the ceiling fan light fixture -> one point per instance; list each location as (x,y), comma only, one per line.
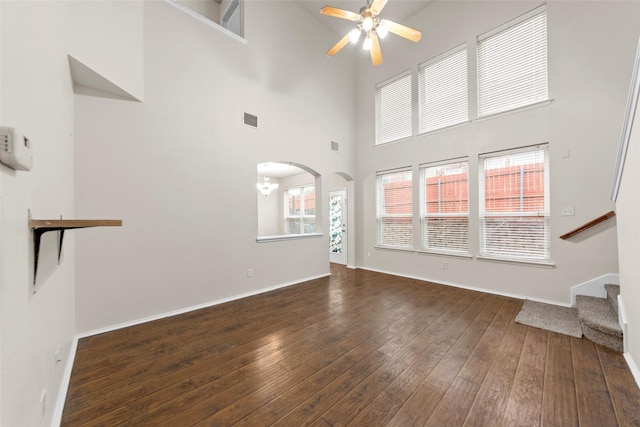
(375,28)
(382,31)
(367,23)
(354,35)
(367,43)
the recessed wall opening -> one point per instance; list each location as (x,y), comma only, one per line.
(287,195)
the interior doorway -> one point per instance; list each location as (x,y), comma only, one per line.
(338,220)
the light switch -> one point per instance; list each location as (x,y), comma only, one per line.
(568,211)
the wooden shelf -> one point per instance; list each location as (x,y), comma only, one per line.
(68,224)
(41,226)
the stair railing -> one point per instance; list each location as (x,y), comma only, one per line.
(588,225)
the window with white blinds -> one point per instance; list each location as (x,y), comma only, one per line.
(393,109)
(444,207)
(514,205)
(512,64)
(443,97)
(300,210)
(395,209)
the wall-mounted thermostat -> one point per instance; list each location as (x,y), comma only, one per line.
(15,149)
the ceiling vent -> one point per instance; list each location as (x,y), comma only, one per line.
(250,120)
(334,146)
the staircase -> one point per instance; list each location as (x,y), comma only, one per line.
(599,318)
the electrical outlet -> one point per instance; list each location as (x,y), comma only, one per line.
(445,265)
(250,272)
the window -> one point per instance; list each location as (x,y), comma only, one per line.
(514,205)
(395,209)
(393,109)
(444,207)
(512,64)
(300,210)
(442,84)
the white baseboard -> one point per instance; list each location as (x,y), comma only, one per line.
(56,419)
(471,288)
(633,367)
(594,287)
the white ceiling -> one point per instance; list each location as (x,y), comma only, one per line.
(395,10)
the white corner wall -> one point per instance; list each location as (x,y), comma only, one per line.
(591,49)
(37,98)
(180,168)
(628,204)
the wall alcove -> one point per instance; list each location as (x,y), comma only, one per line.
(286,201)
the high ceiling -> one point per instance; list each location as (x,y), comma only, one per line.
(395,10)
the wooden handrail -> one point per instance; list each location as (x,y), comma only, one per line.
(588,225)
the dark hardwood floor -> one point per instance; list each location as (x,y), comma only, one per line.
(357,348)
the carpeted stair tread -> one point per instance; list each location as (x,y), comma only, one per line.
(612,296)
(597,314)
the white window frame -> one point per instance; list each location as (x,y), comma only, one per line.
(522,45)
(301,216)
(462,248)
(507,253)
(443,90)
(394,109)
(382,215)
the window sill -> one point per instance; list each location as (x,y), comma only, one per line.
(394,248)
(542,264)
(447,254)
(515,110)
(281,237)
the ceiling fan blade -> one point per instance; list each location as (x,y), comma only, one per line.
(402,30)
(340,13)
(336,48)
(377,6)
(376,52)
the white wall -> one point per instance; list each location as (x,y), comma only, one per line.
(628,205)
(180,168)
(591,47)
(37,98)
(269,211)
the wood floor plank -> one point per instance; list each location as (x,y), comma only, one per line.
(492,398)
(418,408)
(360,348)
(525,400)
(623,389)
(559,407)
(592,395)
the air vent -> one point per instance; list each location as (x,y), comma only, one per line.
(334,146)
(250,120)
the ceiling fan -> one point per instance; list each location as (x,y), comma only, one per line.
(368,21)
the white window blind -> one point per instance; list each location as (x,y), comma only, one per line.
(442,84)
(512,64)
(395,209)
(444,207)
(514,205)
(393,109)
(300,210)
